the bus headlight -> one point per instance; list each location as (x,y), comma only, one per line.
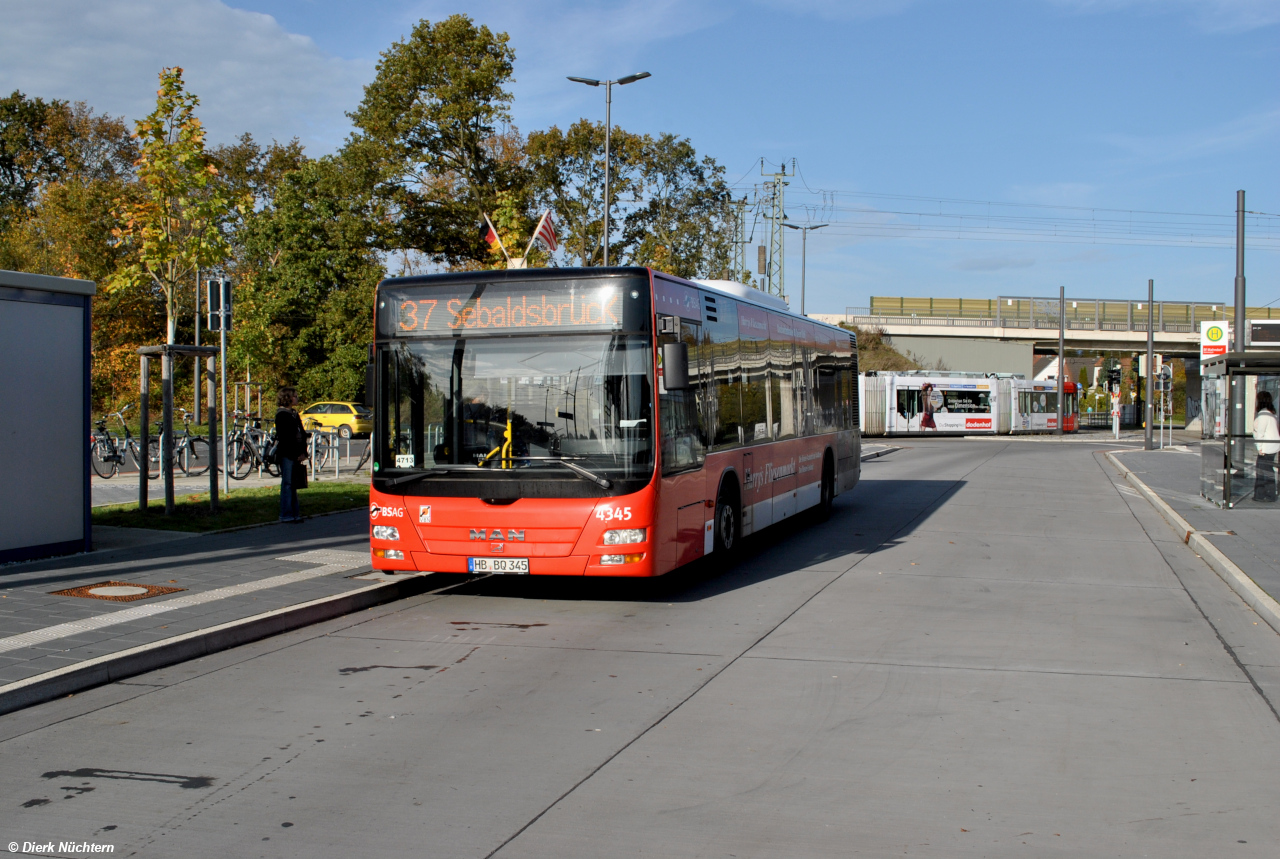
(385,532)
(623,536)
(389,554)
(610,560)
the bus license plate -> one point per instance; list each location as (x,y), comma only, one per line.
(501,566)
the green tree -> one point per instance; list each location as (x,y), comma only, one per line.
(427,121)
(29,153)
(173,215)
(568,176)
(1084,378)
(305,277)
(684,225)
(669,208)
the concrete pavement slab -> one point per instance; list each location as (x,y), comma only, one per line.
(879,760)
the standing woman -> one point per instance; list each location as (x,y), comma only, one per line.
(291,447)
(1266,435)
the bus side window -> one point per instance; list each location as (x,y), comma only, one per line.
(753,328)
(683,434)
(724,366)
(827,392)
(805,348)
(782,375)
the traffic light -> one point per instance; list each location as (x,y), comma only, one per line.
(1113,376)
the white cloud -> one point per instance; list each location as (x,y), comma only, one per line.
(556,38)
(250,74)
(1211,15)
(992,263)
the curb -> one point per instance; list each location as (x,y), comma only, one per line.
(193,645)
(1247,589)
(878,453)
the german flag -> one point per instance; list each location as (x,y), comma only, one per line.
(490,235)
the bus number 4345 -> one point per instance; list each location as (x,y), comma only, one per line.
(614,514)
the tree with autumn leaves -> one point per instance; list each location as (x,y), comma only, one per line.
(172,216)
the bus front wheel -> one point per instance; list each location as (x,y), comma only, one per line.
(728,528)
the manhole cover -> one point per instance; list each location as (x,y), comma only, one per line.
(117,591)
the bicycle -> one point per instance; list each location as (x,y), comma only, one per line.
(107,449)
(189,451)
(104,450)
(364,457)
(325,444)
(246,445)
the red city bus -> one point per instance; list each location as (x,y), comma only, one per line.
(602,422)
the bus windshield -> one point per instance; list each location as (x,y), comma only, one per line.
(495,404)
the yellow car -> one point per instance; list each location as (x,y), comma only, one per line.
(347,418)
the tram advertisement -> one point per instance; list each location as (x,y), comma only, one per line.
(944,407)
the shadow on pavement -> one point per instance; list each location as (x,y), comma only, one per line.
(876,515)
(323,532)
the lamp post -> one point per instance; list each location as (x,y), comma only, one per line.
(608,129)
(804,251)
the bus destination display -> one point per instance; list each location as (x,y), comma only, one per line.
(497,308)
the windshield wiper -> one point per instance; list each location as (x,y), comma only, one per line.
(405,478)
(604,482)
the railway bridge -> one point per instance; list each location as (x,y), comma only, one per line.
(1092,324)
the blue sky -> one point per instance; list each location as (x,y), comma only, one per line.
(1045,131)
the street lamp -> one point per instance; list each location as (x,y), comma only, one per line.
(608,127)
(804,242)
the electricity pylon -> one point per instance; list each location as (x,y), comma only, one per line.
(774,189)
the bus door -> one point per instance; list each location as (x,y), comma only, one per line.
(681,508)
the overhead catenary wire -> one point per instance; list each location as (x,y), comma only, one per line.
(968,220)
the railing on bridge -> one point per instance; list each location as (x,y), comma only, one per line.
(1090,314)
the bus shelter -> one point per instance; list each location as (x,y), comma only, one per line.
(45,385)
(1235,469)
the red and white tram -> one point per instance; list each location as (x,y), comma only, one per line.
(962,404)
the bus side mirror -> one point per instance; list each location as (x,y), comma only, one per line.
(675,366)
(370,379)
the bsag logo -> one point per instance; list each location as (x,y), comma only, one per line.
(386,512)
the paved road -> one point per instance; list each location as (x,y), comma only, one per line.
(989,650)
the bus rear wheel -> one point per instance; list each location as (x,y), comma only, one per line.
(828,488)
(727,527)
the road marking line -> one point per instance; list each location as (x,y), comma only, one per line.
(331,562)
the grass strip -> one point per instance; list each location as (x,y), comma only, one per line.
(244,506)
